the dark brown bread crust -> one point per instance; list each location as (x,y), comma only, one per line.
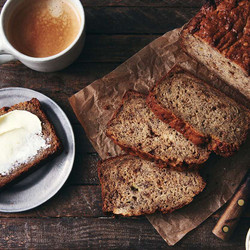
(147,156)
(107,209)
(136,152)
(43,156)
(167,116)
(225,26)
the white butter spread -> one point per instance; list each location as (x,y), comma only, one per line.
(20,139)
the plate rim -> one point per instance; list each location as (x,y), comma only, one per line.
(70,167)
(247,242)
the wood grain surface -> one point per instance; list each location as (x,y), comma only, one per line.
(116,29)
(137,3)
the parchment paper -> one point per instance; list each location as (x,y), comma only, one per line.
(94,107)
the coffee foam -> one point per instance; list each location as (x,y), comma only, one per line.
(55,7)
(43,28)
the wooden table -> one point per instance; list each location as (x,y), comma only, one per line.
(116,29)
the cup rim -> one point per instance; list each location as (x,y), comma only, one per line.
(18,54)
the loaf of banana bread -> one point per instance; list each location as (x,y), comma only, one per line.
(219,37)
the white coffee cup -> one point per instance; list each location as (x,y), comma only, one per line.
(43,64)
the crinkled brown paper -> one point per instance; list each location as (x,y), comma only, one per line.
(95,104)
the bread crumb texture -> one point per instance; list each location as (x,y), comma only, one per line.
(132,186)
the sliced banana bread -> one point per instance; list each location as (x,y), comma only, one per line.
(136,129)
(218,37)
(52,143)
(199,111)
(132,186)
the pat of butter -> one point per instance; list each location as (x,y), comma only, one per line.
(20,139)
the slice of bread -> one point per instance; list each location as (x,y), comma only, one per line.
(218,37)
(43,155)
(132,186)
(200,112)
(136,129)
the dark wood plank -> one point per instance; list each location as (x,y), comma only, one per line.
(85,169)
(136,20)
(113,48)
(83,145)
(155,3)
(78,233)
(106,232)
(70,201)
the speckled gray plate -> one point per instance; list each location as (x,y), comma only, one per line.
(41,185)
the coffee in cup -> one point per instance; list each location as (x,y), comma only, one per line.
(43,28)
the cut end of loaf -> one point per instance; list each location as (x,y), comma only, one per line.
(224,51)
(224,14)
(223,67)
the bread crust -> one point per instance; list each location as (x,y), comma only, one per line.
(166,115)
(180,165)
(23,170)
(232,38)
(106,209)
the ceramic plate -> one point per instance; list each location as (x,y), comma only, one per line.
(41,185)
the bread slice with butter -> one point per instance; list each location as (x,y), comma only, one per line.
(27,140)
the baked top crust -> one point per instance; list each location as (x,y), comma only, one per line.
(225,25)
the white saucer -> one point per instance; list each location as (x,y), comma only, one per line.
(44,183)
